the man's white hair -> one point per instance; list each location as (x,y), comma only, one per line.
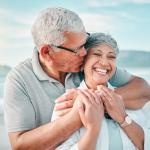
(51,23)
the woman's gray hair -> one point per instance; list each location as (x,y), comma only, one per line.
(97,39)
(51,23)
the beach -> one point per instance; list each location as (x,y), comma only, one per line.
(4,143)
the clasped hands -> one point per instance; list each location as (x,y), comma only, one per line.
(90,105)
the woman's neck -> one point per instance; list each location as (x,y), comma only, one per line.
(94,86)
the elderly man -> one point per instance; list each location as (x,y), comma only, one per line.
(33,86)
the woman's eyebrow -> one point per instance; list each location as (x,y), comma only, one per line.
(112,52)
(96,49)
(99,50)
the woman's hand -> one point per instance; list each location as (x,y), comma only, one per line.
(91,109)
(113,104)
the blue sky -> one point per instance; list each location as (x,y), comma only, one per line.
(126,20)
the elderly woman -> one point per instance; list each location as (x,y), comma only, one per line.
(107,125)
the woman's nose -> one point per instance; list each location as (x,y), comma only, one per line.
(103,61)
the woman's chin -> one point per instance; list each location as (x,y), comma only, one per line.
(104,82)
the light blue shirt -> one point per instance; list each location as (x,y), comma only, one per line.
(115,141)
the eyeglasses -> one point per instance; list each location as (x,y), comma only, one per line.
(76,50)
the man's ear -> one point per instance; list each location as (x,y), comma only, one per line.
(45,51)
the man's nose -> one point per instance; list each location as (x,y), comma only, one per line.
(82,52)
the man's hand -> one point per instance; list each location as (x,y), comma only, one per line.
(65,102)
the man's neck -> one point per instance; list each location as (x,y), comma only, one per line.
(53,73)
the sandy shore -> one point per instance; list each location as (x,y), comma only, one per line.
(4,143)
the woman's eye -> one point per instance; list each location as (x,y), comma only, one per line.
(97,54)
(112,57)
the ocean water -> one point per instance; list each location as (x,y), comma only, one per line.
(2,80)
(142,72)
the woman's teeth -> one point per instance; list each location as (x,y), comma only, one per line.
(101,71)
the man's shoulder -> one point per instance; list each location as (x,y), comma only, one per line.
(21,70)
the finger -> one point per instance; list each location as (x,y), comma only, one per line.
(99,87)
(89,95)
(108,91)
(112,94)
(81,110)
(107,96)
(93,97)
(70,94)
(84,98)
(97,98)
(98,93)
(64,105)
(80,105)
(100,102)
(105,99)
(104,93)
(106,105)
(63,112)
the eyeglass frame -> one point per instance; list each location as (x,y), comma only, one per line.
(72,50)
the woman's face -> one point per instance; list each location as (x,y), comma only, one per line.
(100,65)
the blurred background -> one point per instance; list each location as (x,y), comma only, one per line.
(128,21)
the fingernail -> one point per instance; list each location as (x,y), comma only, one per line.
(59,100)
(67,90)
(56,101)
(99,87)
(55,108)
(79,104)
(70,90)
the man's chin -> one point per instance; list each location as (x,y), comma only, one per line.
(76,70)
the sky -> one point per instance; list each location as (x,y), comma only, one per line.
(128,21)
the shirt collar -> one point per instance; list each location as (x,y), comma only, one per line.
(84,86)
(39,72)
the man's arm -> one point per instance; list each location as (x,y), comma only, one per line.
(134,90)
(47,136)
(20,120)
(136,93)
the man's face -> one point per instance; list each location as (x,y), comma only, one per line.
(100,65)
(67,61)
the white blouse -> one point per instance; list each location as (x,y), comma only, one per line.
(140,116)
